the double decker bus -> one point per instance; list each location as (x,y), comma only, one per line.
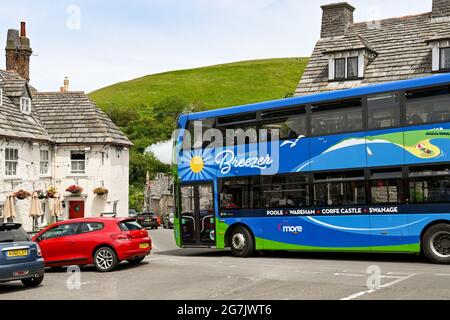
(357,170)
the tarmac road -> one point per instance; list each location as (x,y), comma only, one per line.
(180,274)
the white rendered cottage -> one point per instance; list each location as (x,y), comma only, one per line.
(57,139)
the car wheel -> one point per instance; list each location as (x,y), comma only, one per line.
(136,261)
(33,282)
(436,244)
(241,242)
(105,259)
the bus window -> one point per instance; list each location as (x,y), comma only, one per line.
(197,130)
(290,125)
(239,193)
(339,189)
(337,118)
(428,106)
(290,191)
(384,111)
(386,186)
(240,134)
(429,185)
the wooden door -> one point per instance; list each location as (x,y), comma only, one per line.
(76,209)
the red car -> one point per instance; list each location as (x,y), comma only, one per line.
(104,242)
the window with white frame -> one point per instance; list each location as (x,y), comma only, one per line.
(345,68)
(77,162)
(1,96)
(44,162)
(444,58)
(11,162)
(25,105)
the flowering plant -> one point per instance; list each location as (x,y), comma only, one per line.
(100,191)
(74,189)
(22,194)
(51,192)
(40,194)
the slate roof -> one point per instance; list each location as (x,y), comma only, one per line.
(401,47)
(56,117)
(14,123)
(72,118)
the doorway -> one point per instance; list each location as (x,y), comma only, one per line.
(197,215)
(76,209)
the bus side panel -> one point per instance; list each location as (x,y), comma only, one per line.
(328,152)
(385,148)
(427,143)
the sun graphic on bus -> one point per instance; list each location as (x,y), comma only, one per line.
(197,165)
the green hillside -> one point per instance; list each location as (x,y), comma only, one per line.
(212,87)
(146,108)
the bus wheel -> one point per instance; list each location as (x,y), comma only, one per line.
(241,242)
(436,244)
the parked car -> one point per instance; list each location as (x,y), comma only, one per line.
(104,242)
(20,258)
(168,219)
(132,213)
(148,219)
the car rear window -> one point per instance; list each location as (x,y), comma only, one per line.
(148,214)
(129,226)
(13,233)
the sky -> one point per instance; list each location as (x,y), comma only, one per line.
(98,42)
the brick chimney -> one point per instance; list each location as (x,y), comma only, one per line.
(441,8)
(335,19)
(18,52)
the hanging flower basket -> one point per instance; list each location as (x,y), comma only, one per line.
(40,194)
(74,189)
(22,194)
(51,192)
(101,191)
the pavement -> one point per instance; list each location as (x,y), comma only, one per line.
(183,274)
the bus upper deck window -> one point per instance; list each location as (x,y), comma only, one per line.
(428,106)
(384,110)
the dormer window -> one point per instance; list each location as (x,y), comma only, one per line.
(345,68)
(444,59)
(440,48)
(1,97)
(25,105)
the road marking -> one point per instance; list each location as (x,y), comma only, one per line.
(442,275)
(386,285)
(349,274)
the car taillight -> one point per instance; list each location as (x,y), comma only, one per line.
(38,251)
(121,237)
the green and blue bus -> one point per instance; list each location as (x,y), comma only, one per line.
(358,170)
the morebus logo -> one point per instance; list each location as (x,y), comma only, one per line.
(285,228)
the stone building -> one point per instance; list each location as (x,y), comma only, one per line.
(57,139)
(351,54)
(159,194)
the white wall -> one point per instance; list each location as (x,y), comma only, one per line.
(27,178)
(110,171)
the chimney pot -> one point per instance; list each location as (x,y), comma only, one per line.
(441,8)
(66,84)
(23,29)
(336,18)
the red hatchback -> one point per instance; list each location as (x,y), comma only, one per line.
(104,242)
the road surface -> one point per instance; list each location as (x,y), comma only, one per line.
(173,273)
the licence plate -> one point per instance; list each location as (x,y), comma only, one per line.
(144,246)
(148,220)
(17,253)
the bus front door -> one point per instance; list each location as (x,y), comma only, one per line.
(197,215)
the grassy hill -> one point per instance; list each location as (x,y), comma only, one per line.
(212,87)
(146,108)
